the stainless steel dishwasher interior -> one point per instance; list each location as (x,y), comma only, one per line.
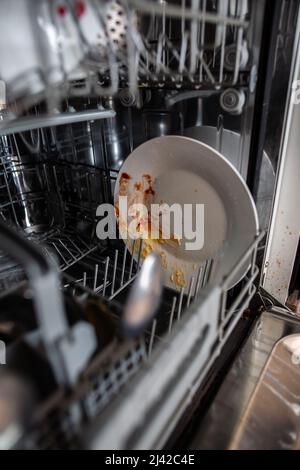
(258,378)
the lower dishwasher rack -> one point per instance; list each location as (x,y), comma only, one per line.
(132,394)
(151,405)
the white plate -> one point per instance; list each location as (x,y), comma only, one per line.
(185,171)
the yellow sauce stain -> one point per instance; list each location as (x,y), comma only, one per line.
(163,260)
(178,278)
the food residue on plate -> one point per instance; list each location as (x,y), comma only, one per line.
(142,191)
(148,178)
(149,191)
(176,239)
(146,248)
(123,185)
(125,176)
(138,186)
(178,278)
(163,257)
(147,188)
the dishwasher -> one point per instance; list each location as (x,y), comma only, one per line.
(82,85)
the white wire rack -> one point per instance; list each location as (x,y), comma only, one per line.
(163,43)
(201,43)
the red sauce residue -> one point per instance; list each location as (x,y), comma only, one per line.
(138,186)
(80,8)
(148,178)
(125,176)
(150,191)
(61,10)
(124,181)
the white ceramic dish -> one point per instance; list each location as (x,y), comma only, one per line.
(176,169)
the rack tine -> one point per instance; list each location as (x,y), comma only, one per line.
(96,276)
(194,36)
(190,291)
(238,54)
(114,273)
(105,275)
(84,279)
(67,249)
(205,273)
(180,303)
(202,39)
(152,336)
(172,313)
(131,261)
(198,281)
(183,51)
(59,253)
(210,270)
(164,34)
(139,255)
(123,266)
(126,284)
(220,129)
(182,17)
(49,254)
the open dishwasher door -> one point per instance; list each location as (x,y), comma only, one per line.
(257,406)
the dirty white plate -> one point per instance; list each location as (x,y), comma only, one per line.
(176,169)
